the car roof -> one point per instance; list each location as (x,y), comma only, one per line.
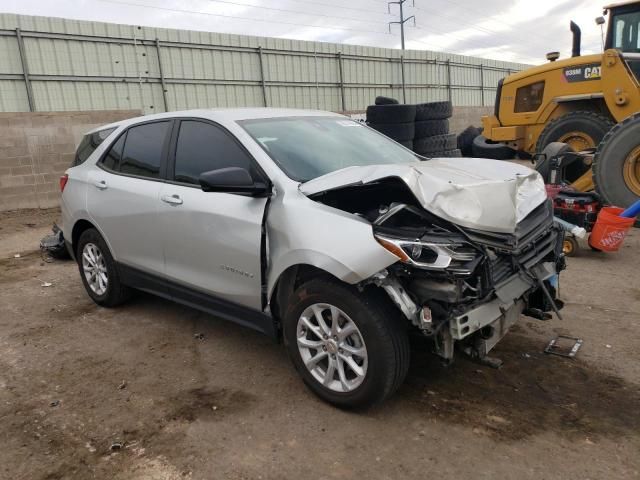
(223,115)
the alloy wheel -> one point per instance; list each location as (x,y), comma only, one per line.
(95,269)
(332,347)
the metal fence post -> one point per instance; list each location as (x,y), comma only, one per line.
(25,70)
(404,91)
(344,107)
(162,82)
(482,82)
(262,79)
(449,78)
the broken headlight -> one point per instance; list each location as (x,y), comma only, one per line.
(432,253)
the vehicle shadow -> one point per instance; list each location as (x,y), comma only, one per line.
(532,393)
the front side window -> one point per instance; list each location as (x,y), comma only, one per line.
(529,98)
(309,147)
(89,144)
(142,153)
(625,32)
(202,147)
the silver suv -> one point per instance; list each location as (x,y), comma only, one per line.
(316,229)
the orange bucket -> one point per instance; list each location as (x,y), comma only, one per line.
(610,229)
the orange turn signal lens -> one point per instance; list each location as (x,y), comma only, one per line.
(393,248)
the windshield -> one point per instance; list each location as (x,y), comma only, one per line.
(309,147)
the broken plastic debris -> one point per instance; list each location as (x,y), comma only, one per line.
(47,284)
(55,403)
(122,385)
(116,446)
(608,346)
(17,255)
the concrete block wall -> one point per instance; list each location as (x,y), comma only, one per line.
(36,148)
(465,116)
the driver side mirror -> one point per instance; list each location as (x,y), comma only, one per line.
(232,180)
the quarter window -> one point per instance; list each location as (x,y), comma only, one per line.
(112,159)
(89,144)
(202,147)
(142,154)
(529,98)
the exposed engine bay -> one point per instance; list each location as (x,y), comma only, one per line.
(456,284)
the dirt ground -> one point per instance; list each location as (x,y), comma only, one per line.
(76,379)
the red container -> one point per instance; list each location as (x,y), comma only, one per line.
(610,229)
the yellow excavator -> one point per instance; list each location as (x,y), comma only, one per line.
(588,102)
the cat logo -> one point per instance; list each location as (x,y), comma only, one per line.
(592,73)
(583,73)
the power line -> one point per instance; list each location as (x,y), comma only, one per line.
(333,5)
(297,12)
(238,17)
(402,20)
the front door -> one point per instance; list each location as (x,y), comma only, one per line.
(211,240)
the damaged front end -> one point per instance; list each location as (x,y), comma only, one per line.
(458,285)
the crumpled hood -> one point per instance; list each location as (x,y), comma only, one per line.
(477,193)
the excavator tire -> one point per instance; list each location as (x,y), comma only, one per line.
(581,130)
(616,164)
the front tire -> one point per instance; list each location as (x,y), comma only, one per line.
(351,348)
(98,270)
(581,130)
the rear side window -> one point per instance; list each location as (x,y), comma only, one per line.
(529,98)
(203,147)
(142,153)
(89,144)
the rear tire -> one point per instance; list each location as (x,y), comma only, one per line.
(98,270)
(616,164)
(379,337)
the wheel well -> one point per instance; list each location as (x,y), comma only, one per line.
(79,227)
(596,105)
(289,281)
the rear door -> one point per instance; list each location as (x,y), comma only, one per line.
(124,195)
(212,240)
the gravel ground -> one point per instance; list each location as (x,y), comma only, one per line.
(137,393)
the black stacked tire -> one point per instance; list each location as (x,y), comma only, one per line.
(432,138)
(400,132)
(433,111)
(391,113)
(466,138)
(380,100)
(393,120)
(436,144)
(428,128)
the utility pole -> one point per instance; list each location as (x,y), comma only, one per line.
(402,20)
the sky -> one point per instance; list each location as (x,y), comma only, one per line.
(517,31)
